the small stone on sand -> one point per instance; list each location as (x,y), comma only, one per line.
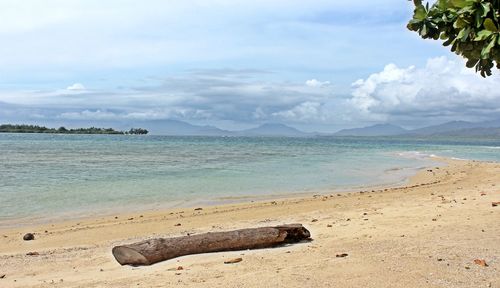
(29,237)
(481,262)
(233,261)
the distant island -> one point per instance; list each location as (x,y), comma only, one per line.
(9,128)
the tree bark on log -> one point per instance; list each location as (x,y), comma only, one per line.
(155,250)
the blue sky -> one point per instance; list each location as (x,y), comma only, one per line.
(315,65)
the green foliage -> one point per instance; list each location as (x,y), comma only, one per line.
(138,131)
(8,128)
(470,27)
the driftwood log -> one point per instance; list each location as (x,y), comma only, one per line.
(155,250)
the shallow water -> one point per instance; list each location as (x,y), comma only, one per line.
(53,176)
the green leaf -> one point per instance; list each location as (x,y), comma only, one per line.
(486,9)
(471,63)
(464,34)
(449,41)
(483,35)
(432,25)
(459,3)
(481,13)
(414,25)
(485,53)
(420,13)
(467,9)
(490,25)
(460,23)
(443,4)
(423,32)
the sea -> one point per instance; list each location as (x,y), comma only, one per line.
(55,177)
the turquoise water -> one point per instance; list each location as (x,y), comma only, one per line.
(65,176)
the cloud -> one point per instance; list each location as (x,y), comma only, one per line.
(235,95)
(316,83)
(76,87)
(443,88)
(88,114)
(306,111)
(139,114)
(205,95)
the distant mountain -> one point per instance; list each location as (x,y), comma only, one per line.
(179,128)
(445,127)
(375,130)
(456,128)
(452,128)
(473,132)
(494,123)
(273,129)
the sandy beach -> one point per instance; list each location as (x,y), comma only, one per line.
(426,233)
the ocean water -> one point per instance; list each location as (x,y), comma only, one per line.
(44,177)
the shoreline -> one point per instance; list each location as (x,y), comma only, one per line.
(91,213)
(430,229)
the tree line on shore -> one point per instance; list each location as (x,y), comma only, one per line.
(9,128)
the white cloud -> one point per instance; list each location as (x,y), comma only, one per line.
(76,87)
(87,114)
(139,114)
(207,95)
(315,83)
(442,90)
(306,111)
(443,87)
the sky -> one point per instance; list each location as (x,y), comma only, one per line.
(315,65)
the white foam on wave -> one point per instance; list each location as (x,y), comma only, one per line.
(461,159)
(416,155)
(491,147)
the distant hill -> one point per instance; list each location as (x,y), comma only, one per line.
(472,132)
(375,130)
(452,128)
(459,128)
(445,127)
(180,128)
(273,129)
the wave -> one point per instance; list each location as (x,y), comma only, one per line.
(416,155)
(456,158)
(491,147)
